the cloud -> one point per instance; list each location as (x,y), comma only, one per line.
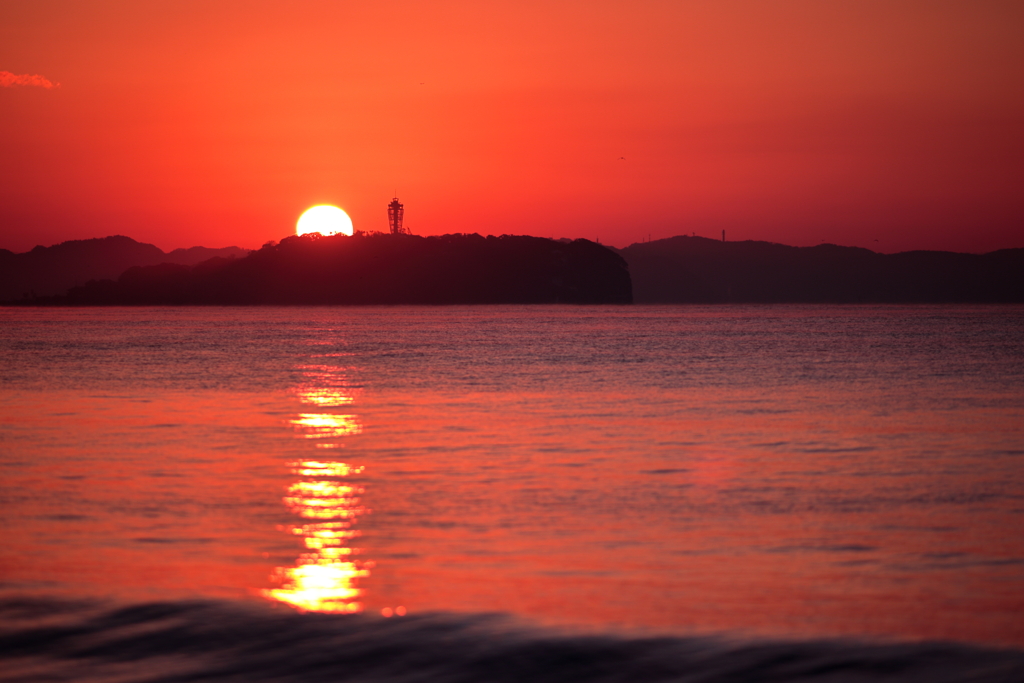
(7,79)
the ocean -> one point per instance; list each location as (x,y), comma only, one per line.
(512,493)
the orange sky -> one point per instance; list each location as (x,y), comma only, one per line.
(217,123)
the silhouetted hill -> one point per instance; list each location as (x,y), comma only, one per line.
(49,271)
(194,255)
(700,270)
(381,269)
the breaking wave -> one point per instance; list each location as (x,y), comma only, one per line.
(229,641)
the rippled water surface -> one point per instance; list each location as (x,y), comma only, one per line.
(767,472)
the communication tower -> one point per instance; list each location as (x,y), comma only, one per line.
(395,213)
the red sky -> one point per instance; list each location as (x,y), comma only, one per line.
(217,123)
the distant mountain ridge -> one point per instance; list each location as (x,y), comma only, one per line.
(688,269)
(52,271)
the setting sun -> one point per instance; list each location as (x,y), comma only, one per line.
(324,219)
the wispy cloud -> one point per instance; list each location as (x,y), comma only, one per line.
(7,80)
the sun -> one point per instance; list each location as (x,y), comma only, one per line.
(324,219)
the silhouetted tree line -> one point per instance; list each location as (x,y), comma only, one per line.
(380,269)
(700,270)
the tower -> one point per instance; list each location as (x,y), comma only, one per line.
(395,213)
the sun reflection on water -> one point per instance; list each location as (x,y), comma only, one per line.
(324,397)
(326,505)
(326,386)
(327,425)
(325,577)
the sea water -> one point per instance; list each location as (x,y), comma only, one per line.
(512,493)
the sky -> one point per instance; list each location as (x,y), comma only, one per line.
(887,124)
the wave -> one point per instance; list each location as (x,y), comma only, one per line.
(231,641)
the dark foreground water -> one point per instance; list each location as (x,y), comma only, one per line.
(189,641)
(512,493)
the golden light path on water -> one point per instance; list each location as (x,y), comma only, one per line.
(326,504)
(325,577)
(325,425)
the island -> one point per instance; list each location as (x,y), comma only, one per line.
(379,269)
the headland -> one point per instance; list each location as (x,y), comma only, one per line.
(376,269)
